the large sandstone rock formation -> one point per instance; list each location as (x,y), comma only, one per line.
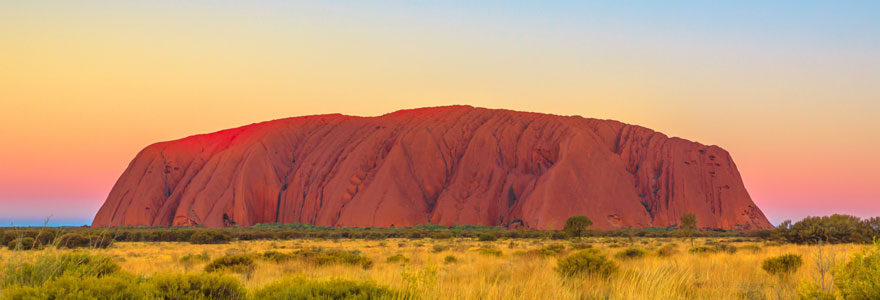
(445,165)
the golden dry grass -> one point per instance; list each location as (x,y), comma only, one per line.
(511,276)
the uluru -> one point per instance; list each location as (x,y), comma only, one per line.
(448,165)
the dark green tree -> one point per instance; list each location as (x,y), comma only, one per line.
(688,225)
(832,229)
(874,224)
(576,226)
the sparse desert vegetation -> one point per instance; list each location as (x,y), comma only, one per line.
(467,268)
(297,262)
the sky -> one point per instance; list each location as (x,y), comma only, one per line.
(790,88)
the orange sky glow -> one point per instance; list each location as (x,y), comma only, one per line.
(793,94)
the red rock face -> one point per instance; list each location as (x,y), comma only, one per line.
(446,165)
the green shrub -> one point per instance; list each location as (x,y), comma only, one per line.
(322,257)
(102,241)
(441,235)
(630,253)
(829,229)
(191,259)
(238,263)
(450,259)
(587,262)
(6,236)
(72,241)
(397,258)
(194,258)
(535,253)
(277,257)
(439,248)
(23,243)
(547,251)
(375,236)
(702,250)
(581,246)
(576,226)
(302,289)
(555,248)
(559,235)
(489,251)
(487,237)
(70,287)
(205,286)
(783,264)
(50,266)
(667,250)
(751,248)
(726,248)
(210,237)
(859,278)
(811,291)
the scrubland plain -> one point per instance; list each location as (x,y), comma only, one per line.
(466,268)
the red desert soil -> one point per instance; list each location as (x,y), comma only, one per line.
(444,165)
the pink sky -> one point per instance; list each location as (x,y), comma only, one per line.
(790,92)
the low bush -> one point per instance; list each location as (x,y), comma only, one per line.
(667,250)
(630,253)
(189,260)
(299,288)
(450,259)
(277,257)
(858,279)
(46,236)
(726,248)
(559,235)
(205,286)
(397,258)
(586,262)
(783,264)
(440,248)
(375,236)
(441,235)
(50,266)
(72,241)
(535,253)
(489,251)
(194,258)
(23,243)
(238,263)
(702,250)
(751,248)
(809,290)
(555,248)
(6,236)
(101,241)
(487,237)
(581,245)
(112,287)
(210,237)
(322,257)
(829,229)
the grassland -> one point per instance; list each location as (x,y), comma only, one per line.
(513,269)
